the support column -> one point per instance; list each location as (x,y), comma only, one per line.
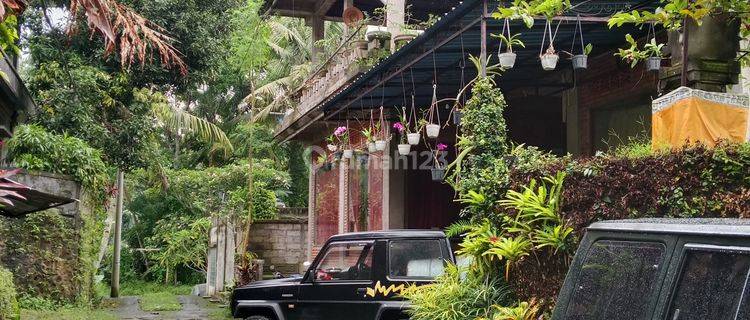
(386,163)
(342,196)
(318,33)
(115,289)
(396,19)
(311,232)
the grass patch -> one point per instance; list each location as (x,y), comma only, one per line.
(159,301)
(138,288)
(67,314)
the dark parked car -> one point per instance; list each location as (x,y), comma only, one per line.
(355,276)
(673,269)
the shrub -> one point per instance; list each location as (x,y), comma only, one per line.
(481,166)
(453,297)
(8,303)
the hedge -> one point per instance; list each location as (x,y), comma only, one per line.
(693,182)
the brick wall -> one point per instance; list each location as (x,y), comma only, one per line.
(281,244)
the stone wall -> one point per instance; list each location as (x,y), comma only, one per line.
(281,244)
(45,251)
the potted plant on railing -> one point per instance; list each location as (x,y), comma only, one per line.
(438,169)
(340,138)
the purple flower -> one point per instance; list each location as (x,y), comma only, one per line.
(399,127)
(442,147)
(339,131)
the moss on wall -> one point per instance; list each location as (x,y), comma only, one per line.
(51,255)
(8,302)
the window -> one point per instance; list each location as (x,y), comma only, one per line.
(415,259)
(710,286)
(345,262)
(617,281)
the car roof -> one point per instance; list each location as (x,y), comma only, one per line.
(387,234)
(682,226)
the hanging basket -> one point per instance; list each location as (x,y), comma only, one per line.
(653,64)
(438,174)
(507,60)
(404,149)
(371,147)
(580,61)
(380,145)
(433,130)
(348,153)
(413,138)
(549,61)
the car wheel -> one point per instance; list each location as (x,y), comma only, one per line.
(258,318)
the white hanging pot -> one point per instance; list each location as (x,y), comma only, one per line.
(371,147)
(580,61)
(653,63)
(549,61)
(404,149)
(433,130)
(507,60)
(348,153)
(413,138)
(380,145)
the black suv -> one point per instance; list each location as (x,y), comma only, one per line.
(673,269)
(355,276)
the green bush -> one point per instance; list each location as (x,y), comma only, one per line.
(481,165)
(264,205)
(454,297)
(8,303)
(34,148)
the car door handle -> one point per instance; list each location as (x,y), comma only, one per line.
(361,291)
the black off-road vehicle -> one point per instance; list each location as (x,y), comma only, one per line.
(355,276)
(672,269)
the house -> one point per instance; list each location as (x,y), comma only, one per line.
(563,110)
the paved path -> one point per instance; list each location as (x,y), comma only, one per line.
(193,308)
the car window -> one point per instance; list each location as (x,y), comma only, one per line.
(710,286)
(415,259)
(345,262)
(617,281)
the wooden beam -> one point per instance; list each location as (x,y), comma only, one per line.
(323,7)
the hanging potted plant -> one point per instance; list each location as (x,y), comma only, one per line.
(580,61)
(508,58)
(380,143)
(404,148)
(333,147)
(341,139)
(550,57)
(367,133)
(438,169)
(655,55)
(432,129)
(651,53)
(413,137)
